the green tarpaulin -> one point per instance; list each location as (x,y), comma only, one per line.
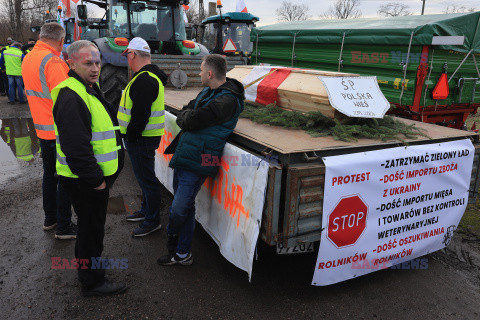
(385,31)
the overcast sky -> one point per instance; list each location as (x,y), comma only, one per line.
(265,9)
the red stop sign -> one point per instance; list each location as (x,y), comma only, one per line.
(347,221)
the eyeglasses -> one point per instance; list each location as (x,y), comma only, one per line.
(128,52)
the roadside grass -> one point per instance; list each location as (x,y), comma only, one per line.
(471,218)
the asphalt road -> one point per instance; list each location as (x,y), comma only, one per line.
(211,288)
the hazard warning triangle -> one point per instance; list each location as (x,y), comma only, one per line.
(229,46)
(441,90)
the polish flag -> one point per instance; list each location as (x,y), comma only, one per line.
(241,6)
(264,91)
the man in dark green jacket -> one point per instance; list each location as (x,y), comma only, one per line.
(206,123)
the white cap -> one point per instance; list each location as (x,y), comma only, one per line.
(139,44)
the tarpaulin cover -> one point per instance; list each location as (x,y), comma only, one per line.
(385,31)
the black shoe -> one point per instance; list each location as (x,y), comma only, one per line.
(143,230)
(169,260)
(70,232)
(172,242)
(136,216)
(11,102)
(3,94)
(49,225)
(107,288)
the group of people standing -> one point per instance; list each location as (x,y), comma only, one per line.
(83,138)
(11,82)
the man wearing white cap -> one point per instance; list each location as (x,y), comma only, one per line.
(141,118)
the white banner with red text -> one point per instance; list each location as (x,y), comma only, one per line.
(385,207)
(230,206)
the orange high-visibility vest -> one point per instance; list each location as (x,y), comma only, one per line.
(42,70)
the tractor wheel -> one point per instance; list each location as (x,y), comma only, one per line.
(113,80)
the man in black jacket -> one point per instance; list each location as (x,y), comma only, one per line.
(86,165)
(141,118)
(206,124)
(26,48)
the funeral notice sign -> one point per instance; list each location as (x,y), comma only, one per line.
(385,207)
(356,96)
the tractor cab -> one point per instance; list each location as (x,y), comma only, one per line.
(229,33)
(160,23)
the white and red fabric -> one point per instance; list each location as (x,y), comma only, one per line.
(265,91)
(241,6)
(185,8)
(77,31)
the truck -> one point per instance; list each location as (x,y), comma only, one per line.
(426,66)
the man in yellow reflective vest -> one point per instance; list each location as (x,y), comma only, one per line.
(89,158)
(12,60)
(141,118)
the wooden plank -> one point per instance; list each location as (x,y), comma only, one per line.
(304,104)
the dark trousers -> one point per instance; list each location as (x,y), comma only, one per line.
(91,208)
(56,203)
(4,80)
(2,84)
(142,156)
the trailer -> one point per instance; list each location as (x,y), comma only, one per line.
(292,214)
(426,66)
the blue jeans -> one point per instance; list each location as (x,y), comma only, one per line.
(18,82)
(142,156)
(56,202)
(181,222)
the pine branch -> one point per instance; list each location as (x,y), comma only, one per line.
(318,125)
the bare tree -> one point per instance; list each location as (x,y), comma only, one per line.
(394,9)
(17,16)
(193,15)
(292,12)
(456,8)
(343,9)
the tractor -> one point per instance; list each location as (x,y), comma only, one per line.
(229,33)
(159,22)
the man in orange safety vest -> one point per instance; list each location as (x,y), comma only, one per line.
(42,70)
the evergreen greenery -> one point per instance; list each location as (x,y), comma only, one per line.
(318,125)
